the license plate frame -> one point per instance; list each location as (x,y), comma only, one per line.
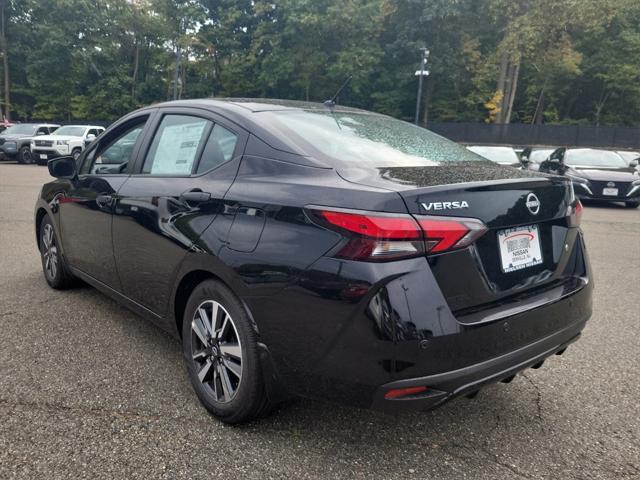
(519,248)
(610,192)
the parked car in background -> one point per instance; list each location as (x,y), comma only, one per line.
(67,140)
(597,174)
(15,141)
(5,124)
(531,158)
(630,157)
(500,155)
(317,250)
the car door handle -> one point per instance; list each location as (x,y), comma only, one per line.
(195,196)
(104,201)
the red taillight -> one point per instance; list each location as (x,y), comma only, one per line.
(373,236)
(575,214)
(404,392)
(449,233)
(387,227)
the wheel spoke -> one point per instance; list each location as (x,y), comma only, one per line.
(214,384)
(223,330)
(199,354)
(204,370)
(226,382)
(200,330)
(206,322)
(231,349)
(233,367)
(216,311)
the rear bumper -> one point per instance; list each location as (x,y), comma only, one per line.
(446,386)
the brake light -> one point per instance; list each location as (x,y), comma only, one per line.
(373,236)
(575,214)
(391,227)
(442,234)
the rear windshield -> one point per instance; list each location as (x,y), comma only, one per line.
(593,158)
(357,139)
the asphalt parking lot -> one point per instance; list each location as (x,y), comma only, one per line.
(88,390)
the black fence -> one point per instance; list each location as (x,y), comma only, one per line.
(540,135)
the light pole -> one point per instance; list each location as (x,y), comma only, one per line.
(421,74)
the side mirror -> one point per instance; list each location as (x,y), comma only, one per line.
(91,137)
(63,167)
(634,163)
(40,133)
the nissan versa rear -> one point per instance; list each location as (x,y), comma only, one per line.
(322,251)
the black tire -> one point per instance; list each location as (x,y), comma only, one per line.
(248,400)
(75,153)
(24,155)
(632,204)
(54,266)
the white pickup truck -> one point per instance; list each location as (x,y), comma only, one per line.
(66,140)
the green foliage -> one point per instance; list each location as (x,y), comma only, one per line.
(577,60)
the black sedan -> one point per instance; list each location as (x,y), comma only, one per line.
(597,174)
(316,250)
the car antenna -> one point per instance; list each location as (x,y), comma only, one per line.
(332,102)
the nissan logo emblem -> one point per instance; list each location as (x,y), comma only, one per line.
(611,184)
(533,204)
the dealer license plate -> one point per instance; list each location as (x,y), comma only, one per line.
(519,248)
(610,191)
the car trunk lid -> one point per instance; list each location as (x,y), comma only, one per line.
(513,204)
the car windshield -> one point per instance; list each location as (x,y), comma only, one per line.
(629,156)
(497,154)
(21,130)
(539,156)
(593,158)
(355,139)
(70,130)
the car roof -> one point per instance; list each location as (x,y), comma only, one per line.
(84,126)
(256,105)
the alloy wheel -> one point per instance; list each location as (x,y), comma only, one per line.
(50,252)
(216,350)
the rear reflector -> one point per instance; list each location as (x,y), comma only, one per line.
(403,392)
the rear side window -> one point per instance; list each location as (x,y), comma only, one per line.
(176,145)
(218,149)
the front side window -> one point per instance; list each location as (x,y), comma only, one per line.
(175,146)
(114,153)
